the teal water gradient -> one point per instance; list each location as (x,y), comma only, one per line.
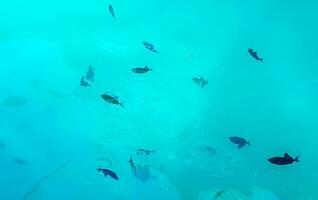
(46,46)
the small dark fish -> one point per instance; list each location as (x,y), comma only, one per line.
(210,150)
(286,160)
(254,55)
(241,142)
(219,194)
(15,101)
(107,172)
(111,99)
(149,46)
(19,161)
(90,74)
(200,81)
(146,152)
(132,165)
(141,70)
(84,83)
(111,10)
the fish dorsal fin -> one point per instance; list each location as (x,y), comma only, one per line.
(286,156)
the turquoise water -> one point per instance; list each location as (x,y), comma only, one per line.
(54,133)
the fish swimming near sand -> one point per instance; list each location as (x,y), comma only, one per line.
(149,46)
(286,160)
(19,161)
(84,83)
(218,194)
(111,99)
(146,152)
(241,142)
(15,101)
(90,74)
(141,70)
(254,55)
(132,165)
(210,150)
(111,11)
(108,172)
(200,81)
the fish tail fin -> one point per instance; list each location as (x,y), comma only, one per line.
(248,143)
(121,105)
(261,59)
(297,159)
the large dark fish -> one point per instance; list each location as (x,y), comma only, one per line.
(241,142)
(149,46)
(108,172)
(90,74)
(84,83)
(132,165)
(141,70)
(286,160)
(111,99)
(200,81)
(146,152)
(254,54)
(111,10)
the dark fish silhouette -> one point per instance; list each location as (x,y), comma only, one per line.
(84,83)
(241,142)
(286,160)
(146,152)
(111,10)
(90,74)
(111,99)
(200,81)
(218,194)
(141,70)
(15,101)
(108,172)
(254,55)
(210,150)
(19,161)
(132,165)
(149,46)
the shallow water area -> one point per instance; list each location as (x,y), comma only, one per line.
(55,131)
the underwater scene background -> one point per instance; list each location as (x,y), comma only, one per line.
(57,129)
